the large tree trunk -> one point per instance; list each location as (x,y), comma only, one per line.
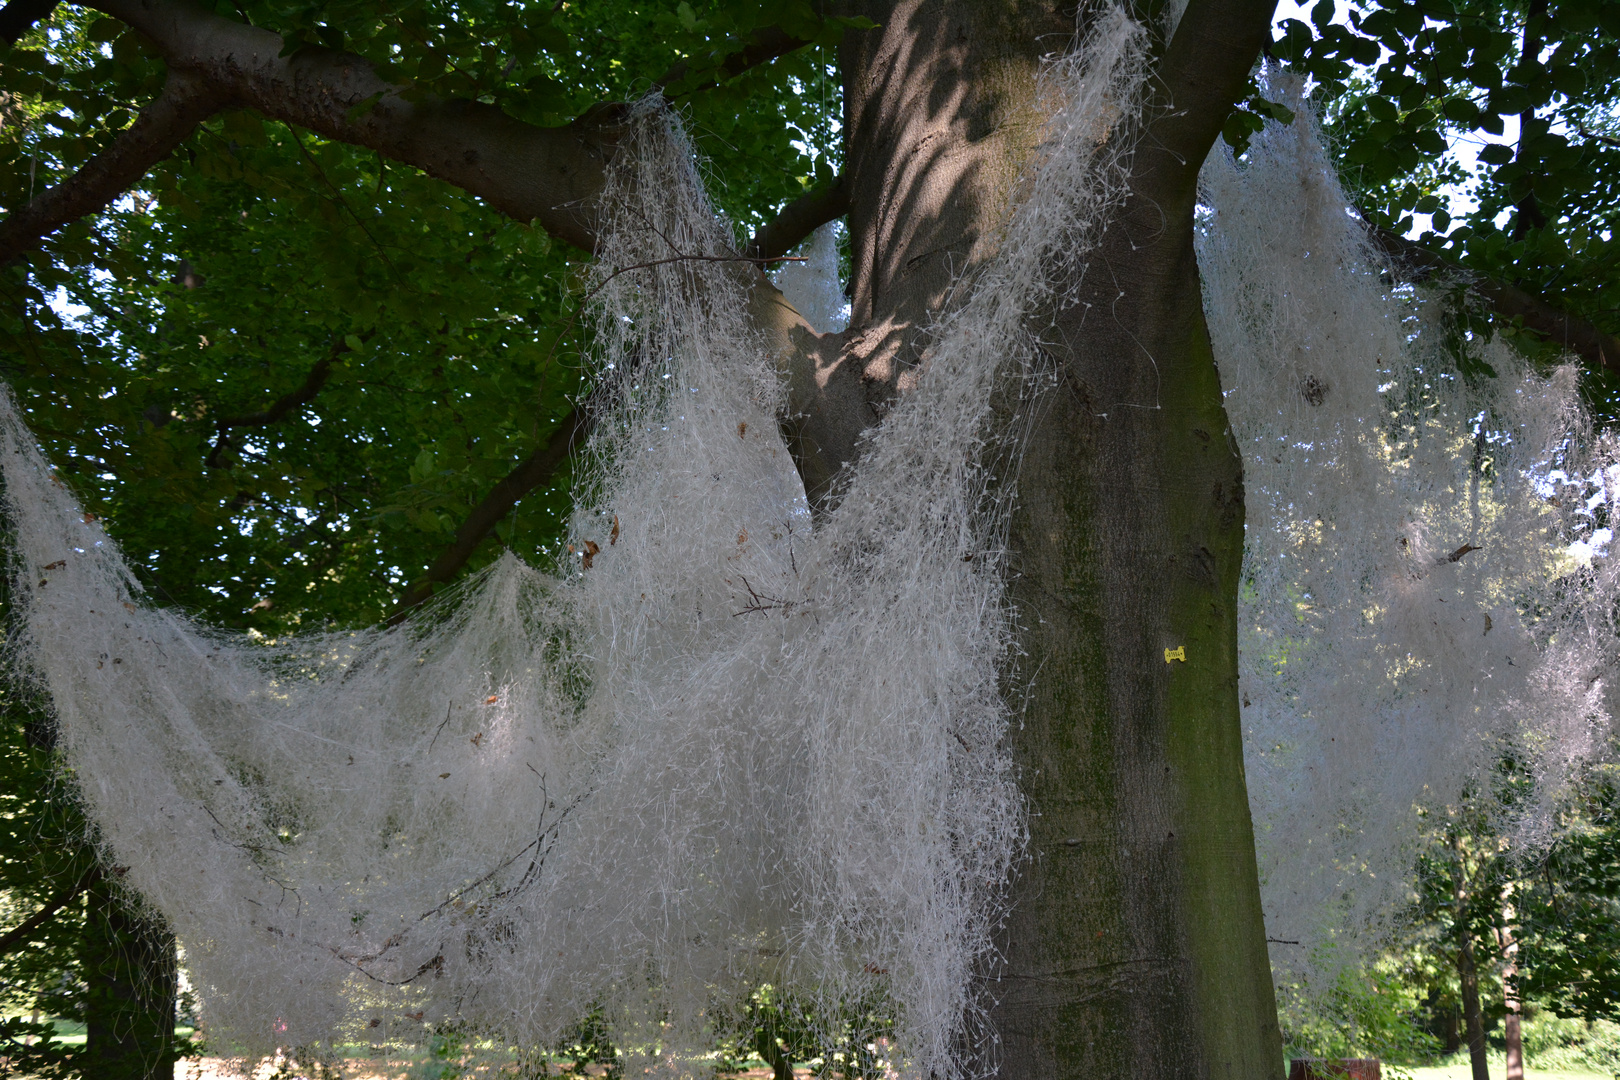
(131,977)
(1135,947)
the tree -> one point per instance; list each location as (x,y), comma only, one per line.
(81,950)
(1566,906)
(1136,943)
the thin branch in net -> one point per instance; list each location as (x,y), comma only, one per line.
(600,285)
(533,471)
(687,258)
(543,843)
(758,601)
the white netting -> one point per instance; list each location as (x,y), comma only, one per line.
(1418,583)
(813,286)
(723,747)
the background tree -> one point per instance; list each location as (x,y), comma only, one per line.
(327,347)
(1566,901)
(1462,883)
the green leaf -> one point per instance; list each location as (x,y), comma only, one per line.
(1461,111)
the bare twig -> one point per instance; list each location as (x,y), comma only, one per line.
(539,846)
(758,601)
(440,730)
(600,285)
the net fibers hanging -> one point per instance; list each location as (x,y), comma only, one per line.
(1420,591)
(722,748)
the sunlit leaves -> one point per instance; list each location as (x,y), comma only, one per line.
(1402,83)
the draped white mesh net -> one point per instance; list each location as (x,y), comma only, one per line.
(723,747)
(1425,581)
(727,747)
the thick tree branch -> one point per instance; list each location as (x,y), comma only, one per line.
(764,45)
(1574,333)
(1202,76)
(184,103)
(545,175)
(530,473)
(18,16)
(22,932)
(799,219)
(548,176)
(284,404)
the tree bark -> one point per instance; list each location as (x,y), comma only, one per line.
(1511,1033)
(131,975)
(1135,946)
(1468,972)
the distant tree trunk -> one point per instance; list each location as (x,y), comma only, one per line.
(1510,996)
(1468,972)
(1453,1030)
(771,1052)
(1473,1019)
(132,974)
